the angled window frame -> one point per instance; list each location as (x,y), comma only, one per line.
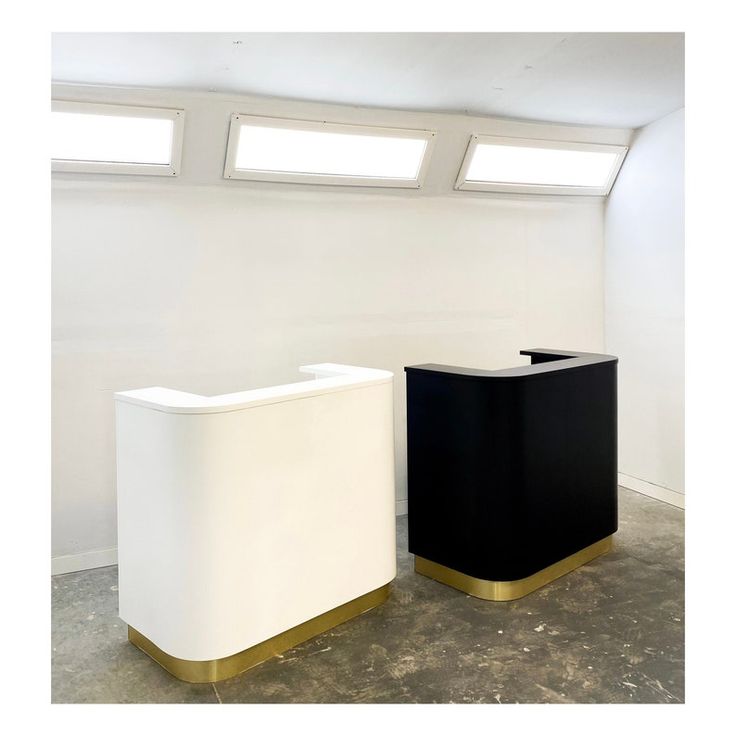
(173,168)
(463,184)
(237,120)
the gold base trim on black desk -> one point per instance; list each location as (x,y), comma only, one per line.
(214,670)
(509,590)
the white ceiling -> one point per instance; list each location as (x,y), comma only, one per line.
(612,79)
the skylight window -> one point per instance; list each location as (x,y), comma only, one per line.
(296,151)
(494,164)
(93,138)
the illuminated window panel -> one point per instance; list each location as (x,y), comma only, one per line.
(293,151)
(91,138)
(495,164)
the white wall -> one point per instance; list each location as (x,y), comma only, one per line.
(644,267)
(214,286)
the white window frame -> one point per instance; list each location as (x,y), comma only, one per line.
(292,177)
(463,184)
(117,167)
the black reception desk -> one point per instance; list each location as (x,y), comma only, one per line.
(512,474)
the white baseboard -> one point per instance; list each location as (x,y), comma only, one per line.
(402,507)
(653,491)
(84,561)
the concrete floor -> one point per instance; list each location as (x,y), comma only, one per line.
(609,632)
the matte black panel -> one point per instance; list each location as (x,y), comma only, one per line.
(511,471)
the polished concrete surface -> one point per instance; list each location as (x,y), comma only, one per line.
(609,632)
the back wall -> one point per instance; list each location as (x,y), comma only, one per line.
(222,286)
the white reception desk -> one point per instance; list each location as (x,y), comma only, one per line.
(253,521)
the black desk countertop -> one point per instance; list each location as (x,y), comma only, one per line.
(543,362)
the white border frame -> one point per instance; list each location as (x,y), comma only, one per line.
(462,184)
(116,167)
(291,177)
